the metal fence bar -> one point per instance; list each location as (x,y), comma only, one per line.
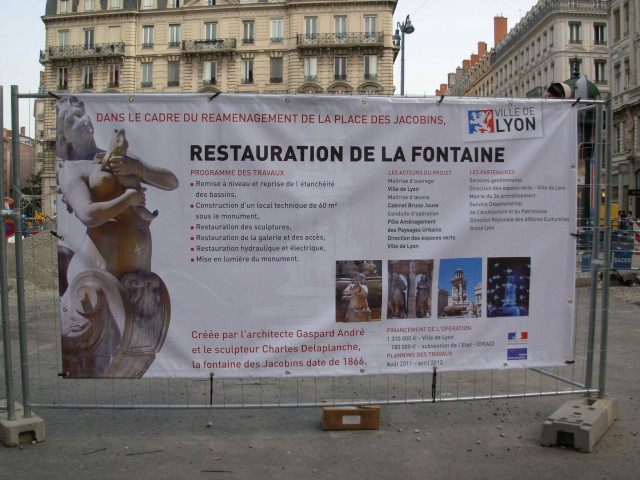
(606,277)
(22,323)
(4,285)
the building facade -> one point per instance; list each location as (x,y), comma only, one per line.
(551,40)
(247,46)
(625,92)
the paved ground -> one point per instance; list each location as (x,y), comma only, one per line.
(496,439)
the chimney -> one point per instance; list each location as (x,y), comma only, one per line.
(474,59)
(443,88)
(466,64)
(499,29)
(482,49)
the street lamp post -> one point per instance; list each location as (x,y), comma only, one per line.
(403,28)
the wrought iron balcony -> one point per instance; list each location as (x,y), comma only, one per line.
(314,40)
(79,51)
(209,81)
(222,45)
(371,76)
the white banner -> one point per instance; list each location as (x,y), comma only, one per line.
(251,235)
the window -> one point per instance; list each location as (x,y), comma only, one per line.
(247,71)
(115,4)
(574,32)
(627,73)
(174,35)
(211,2)
(574,65)
(625,19)
(147,37)
(87,76)
(148,4)
(600,71)
(599,34)
(340,68)
(370,67)
(370,27)
(113,72)
(210,31)
(64,6)
(539,48)
(310,69)
(147,75)
(63,39)
(616,25)
(210,70)
(88,39)
(247,32)
(544,41)
(276,31)
(617,75)
(174,3)
(63,78)
(89,5)
(551,36)
(174,74)
(311,27)
(619,133)
(340,28)
(276,70)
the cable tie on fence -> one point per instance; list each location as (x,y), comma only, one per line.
(441,99)
(576,102)
(213,96)
(433,384)
(210,388)
(57,97)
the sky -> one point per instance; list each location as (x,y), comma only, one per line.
(446,32)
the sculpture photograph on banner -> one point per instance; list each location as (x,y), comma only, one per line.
(115,311)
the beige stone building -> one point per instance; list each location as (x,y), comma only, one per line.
(625,91)
(230,46)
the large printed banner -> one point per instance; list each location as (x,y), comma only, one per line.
(251,235)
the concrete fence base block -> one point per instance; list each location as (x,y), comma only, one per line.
(579,423)
(20,430)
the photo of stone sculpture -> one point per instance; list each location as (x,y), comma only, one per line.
(115,310)
(358,290)
(460,288)
(409,288)
(508,280)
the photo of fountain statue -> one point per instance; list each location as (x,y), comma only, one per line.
(460,288)
(409,289)
(508,280)
(358,290)
(115,310)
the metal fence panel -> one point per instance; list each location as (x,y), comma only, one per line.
(49,389)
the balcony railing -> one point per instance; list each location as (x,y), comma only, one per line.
(371,76)
(173,83)
(275,80)
(339,39)
(311,78)
(209,81)
(338,77)
(76,51)
(204,46)
(113,84)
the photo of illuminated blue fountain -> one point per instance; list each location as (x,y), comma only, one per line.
(508,280)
